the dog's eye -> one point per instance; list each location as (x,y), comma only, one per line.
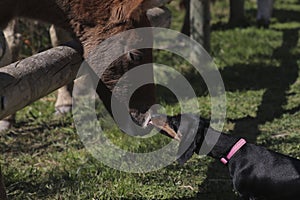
(135,56)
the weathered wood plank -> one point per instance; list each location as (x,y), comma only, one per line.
(26,81)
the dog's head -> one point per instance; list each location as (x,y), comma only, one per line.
(188,129)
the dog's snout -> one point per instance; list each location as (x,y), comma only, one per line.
(161,121)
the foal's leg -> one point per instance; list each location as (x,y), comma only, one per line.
(64,96)
(11,54)
(3,61)
(264,12)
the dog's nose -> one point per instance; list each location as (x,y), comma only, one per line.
(161,121)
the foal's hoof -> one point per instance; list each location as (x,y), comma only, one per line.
(61,110)
(263,23)
(5,125)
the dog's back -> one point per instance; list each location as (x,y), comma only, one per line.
(258,172)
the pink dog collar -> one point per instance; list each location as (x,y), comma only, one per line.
(233,150)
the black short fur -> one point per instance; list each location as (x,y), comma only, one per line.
(256,172)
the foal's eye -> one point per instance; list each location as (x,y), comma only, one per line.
(135,55)
(2,45)
(1,51)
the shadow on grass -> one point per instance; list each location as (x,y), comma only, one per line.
(286,15)
(248,21)
(42,188)
(276,81)
(281,16)
(30,139)
(34,140)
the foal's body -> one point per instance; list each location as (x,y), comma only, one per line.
(92,22)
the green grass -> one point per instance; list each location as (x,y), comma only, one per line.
(42,157)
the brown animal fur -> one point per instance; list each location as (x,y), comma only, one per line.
(91,21)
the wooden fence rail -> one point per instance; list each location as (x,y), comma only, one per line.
(26,81)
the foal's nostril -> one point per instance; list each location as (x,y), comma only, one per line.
(161,121)
(135,56)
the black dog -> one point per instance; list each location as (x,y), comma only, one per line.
(257,173)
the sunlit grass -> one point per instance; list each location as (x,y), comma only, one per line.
(42,157)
